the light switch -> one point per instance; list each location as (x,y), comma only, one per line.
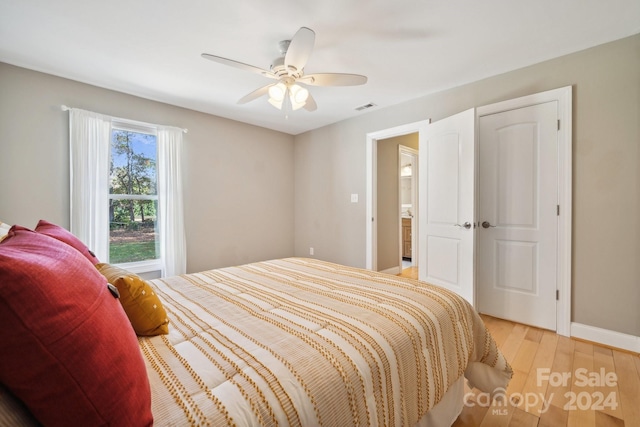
(354,198)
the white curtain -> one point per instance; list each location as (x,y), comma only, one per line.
(89,140)
(173,248)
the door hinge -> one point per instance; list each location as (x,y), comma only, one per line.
(558,124)
(558,210)
(557,294)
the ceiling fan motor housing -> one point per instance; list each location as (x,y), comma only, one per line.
(278,66)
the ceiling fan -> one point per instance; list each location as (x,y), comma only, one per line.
(288,70)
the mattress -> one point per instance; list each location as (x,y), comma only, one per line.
(298,341)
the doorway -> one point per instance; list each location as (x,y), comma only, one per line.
(372,203)
(408,205)
(390,216)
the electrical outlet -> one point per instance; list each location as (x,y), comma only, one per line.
(354,198)
(310,251)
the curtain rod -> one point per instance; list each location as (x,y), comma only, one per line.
(65,108)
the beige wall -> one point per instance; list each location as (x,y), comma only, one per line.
(388,209)
(330,164)
(238,186)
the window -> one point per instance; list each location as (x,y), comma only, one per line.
(133,196)
(126,192)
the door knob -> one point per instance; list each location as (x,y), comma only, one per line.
(466,225)
(487,224)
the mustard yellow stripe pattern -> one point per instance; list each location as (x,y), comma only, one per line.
(301,342)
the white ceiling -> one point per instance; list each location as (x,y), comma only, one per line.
(407,48)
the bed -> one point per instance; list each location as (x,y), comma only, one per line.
(299,341)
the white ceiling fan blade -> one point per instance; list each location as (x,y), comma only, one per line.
(333,79)
(310,105)
(255,94)
(300,48)
(241,65)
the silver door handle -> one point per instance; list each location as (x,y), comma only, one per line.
(487,224)
(466,225)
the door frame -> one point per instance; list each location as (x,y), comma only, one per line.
(563,96)
(371,249)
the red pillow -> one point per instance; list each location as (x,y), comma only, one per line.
(67,348)
(57,232)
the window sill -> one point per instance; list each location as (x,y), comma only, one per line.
(142,267)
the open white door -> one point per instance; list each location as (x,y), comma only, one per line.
(446,203)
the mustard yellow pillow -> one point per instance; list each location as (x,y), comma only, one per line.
(142,306)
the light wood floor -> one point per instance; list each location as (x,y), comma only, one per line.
(411,272)
(532,352)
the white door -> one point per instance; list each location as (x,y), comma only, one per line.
(446,201)
(517,214)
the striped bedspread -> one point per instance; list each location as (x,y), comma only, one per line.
(304,342)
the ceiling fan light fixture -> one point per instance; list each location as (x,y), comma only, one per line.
(298,96)
(277,92)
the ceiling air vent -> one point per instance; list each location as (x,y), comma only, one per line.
(365,106)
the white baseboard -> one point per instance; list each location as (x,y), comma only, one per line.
(606,337)
(393,270)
